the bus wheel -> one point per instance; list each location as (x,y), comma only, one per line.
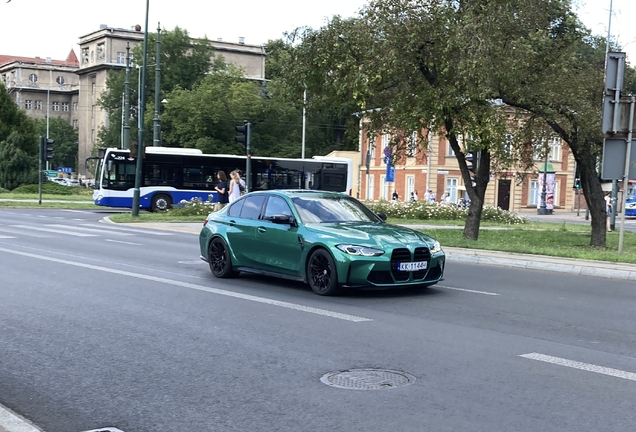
(161,202)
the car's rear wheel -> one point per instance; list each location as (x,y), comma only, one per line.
(219,259)
(322,274)
(161,202)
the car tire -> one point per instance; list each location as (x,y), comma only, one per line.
(161,202)
(219,259)
(322,274)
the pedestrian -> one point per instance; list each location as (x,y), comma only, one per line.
(427,195)
(222,191)
(395,196)
(414,196)
(608,210)
(235,187)
(242,183)
(446,198)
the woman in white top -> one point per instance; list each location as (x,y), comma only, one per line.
(235,189)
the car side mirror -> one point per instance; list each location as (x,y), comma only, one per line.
(282,219)
(382,216)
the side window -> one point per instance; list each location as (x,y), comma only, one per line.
(252,206)
(277,206)
(235,208)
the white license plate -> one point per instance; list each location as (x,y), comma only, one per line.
(412,266)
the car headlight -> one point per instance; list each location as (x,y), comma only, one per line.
(436,247)
(359,250)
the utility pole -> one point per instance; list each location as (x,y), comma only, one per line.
(156,129)
(126,119)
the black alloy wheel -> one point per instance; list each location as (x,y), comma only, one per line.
(219,259)
(322,274)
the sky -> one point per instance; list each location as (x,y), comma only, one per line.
(51,28)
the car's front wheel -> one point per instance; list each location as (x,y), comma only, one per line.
(322,274)
(219,259)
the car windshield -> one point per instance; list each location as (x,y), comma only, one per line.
(332,209)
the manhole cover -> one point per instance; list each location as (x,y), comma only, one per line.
(367,379)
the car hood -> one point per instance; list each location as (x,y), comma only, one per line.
(380,235)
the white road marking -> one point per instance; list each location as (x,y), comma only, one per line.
(24,233)
(28,227)
(6,237)
(14,423)
(135,230)
(582,366)
(123,242)
(94,230)
(218,291)
(466,290)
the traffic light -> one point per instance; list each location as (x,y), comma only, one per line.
(246,135)
(577,183)
(46,149)
(471,164)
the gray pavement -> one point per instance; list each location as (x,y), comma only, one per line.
(601,269)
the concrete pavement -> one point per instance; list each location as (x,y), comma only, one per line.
(601,269)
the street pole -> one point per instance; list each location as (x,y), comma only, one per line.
(304,124)
(628,155)
(126,119)
(543,206)
(48,107)
(248,161)
(156,127)
(140,144)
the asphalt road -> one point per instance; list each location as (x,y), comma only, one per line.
(105,325)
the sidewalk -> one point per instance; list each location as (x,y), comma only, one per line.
(601,269)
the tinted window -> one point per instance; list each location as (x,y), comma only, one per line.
(332,209)
(235,208)
(252,206)
(277,206)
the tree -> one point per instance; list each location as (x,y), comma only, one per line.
(13,119)
(16,166)
(184,62)
(446,64)
(66,141)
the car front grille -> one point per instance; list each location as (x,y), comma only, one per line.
(394,276)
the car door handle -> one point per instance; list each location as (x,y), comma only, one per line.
(232,222)
(262,229)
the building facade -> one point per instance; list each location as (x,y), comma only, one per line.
(43,87)
(432,165)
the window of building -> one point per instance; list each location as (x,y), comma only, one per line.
(84,55)
(93,136)
(33,78)
(56,106)
(386,140)
(75,124)
(28,104)
(384,188)
(93,112)
(75,106)
(94,89)
(410,187)
(121,57)
(38,104)
(410,151)
(533,197)
(65,106)
(555,149)
(449,150)
(451,188)
(370,191)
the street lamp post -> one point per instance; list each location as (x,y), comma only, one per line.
(543,208)
(156,128)
(140,144)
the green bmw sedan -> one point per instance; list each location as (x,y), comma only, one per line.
(326,239)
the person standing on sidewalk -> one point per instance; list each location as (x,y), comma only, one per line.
(608,210)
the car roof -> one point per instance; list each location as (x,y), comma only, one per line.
(291,193)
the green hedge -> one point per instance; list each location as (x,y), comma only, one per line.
(423,210)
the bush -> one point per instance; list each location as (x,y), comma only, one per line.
(422,210)
(4,190)
(48,187)
(194,207)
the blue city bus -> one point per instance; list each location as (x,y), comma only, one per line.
(171,175)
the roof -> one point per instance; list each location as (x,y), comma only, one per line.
(71,60)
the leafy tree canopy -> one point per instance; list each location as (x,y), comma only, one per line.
(16,166)
(13,119)
(65,147)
